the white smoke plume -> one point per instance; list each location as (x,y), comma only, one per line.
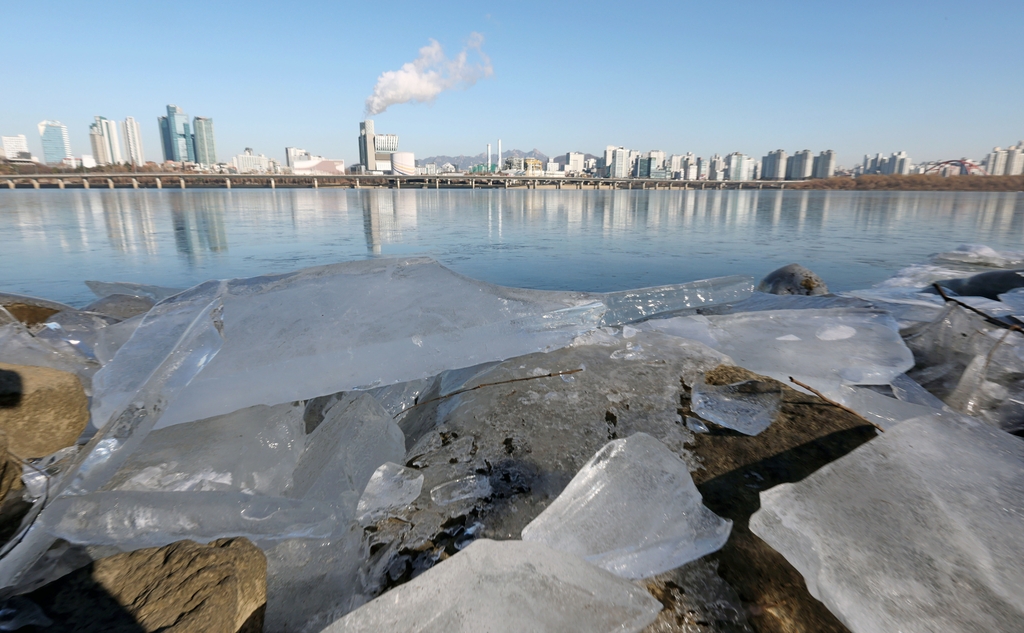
(429,75)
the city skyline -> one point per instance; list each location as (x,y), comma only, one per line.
(833,79)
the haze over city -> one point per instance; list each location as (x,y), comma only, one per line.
(932,79)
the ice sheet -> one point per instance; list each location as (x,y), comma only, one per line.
(748,407)
(921,529)
(106,288)
(364,324)
(508,586)
(390,487)
(634,510)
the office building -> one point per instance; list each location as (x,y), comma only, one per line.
(15,148)
(773,166)
(205,148)
(56,146)
(688,167)
(574,162)
(619,166)
(133,152)
(824,165)
(249,163)
(716,168)
(176,136)
(106,148)
(800,165)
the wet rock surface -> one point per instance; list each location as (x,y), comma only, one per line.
(184,587)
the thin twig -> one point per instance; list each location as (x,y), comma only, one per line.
(987,317)
(834,403)
(490,384)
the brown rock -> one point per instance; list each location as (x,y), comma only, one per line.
(183,587)
(30,310)
(42,410)
(807,434)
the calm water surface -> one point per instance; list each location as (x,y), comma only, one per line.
(53,240)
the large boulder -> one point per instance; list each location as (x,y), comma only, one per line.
(184,587)
(42,410)
(793,279)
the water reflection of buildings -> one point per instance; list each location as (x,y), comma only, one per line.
(197,219)
(386,213)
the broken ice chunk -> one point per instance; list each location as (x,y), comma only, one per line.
(696,425)
(508,586)
(121,306)
(634,510)
(748,407)
(907,389)
(341,455)
(921,529)
(132,520)
(633,305)
(471,487)
(253,450)
(1014,300)
(391,486)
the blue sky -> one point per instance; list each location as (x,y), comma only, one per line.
(937,79)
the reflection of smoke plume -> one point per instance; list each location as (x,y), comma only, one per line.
(428,76)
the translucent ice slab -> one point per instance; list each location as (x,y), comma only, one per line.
(131,520)
(634,510)
(253,450)
(823,348)
(508,586)
(747,407)
(354,439)
(391,486)
(921,529)
(363,324)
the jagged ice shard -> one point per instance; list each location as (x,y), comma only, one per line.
(919,530)
(508,586)
(362,324)
(634,510)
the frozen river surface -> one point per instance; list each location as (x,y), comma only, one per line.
(51,241)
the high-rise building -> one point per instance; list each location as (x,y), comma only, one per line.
(619,167)
(574,162)
(15,148)
(56,146)
(996,163)
(106,148)
(716,168)
(800,165)
(205,149)
(1015,160)
(375,149)
(689,166)
(773,166)
(176,136)
(898,164)
(132,133)
(739,167)
(248,162)
(824,165)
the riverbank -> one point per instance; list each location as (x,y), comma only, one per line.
(916,182)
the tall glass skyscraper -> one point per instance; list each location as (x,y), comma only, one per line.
(206,151)
(56,146)
(176,135)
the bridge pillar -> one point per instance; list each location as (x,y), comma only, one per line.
(398,183)
(10,184)
(85,183)
(227,183)
(35,183)
(159,183)
(437,183)
(273,185)
(316,185)
(110,183)
(60,183)
(181,183)
(135,183)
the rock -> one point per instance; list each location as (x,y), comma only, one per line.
(183,587)
(695,599)
(793,279)
(30,310)
(10,469)
(42,410)
(121,306)
(806,434)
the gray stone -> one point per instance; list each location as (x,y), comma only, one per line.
(793,279)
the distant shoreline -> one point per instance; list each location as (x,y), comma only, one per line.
(916,182)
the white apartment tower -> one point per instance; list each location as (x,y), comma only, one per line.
(773,166)
(824,165)
(620,164)
(800,165)
(106,148)
(134,153)
(1015,160)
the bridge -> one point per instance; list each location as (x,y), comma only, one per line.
(353,181)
